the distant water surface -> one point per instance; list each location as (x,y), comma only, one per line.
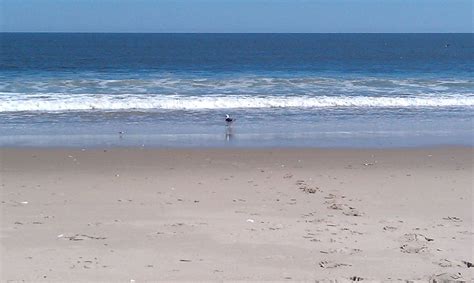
(311,90)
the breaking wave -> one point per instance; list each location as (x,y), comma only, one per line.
(55,102)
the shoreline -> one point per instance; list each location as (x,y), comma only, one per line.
(239,148)
(287,214)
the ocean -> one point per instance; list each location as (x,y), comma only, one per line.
(284,90)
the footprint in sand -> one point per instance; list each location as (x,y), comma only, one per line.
(331,198)
(389,228)
(454,263)
(351,211)
(336,206)
(305,187)
(413,237)
(448,263)
(413,248)
(414,243)
(446,277)
(346,209)
(288,176)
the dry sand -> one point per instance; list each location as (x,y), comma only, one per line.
(222,214)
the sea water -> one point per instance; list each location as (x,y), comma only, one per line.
(303,90)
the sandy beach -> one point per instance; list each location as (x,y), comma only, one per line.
(117,215)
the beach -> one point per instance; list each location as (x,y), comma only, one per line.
(211,214)
(350,157)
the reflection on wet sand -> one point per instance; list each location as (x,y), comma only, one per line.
(229,133)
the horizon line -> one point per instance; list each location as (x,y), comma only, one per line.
(179,32)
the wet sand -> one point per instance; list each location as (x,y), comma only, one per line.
(223,214)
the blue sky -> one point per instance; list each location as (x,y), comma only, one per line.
(236,15)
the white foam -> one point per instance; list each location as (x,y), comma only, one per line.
(234,84)
(54,102)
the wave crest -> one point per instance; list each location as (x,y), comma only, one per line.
(122,103)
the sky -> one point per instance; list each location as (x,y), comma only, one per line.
(305,16)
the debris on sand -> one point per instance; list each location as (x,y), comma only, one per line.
(341,251)
(468,264)
(332,264)
(453,218)
(81,237)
